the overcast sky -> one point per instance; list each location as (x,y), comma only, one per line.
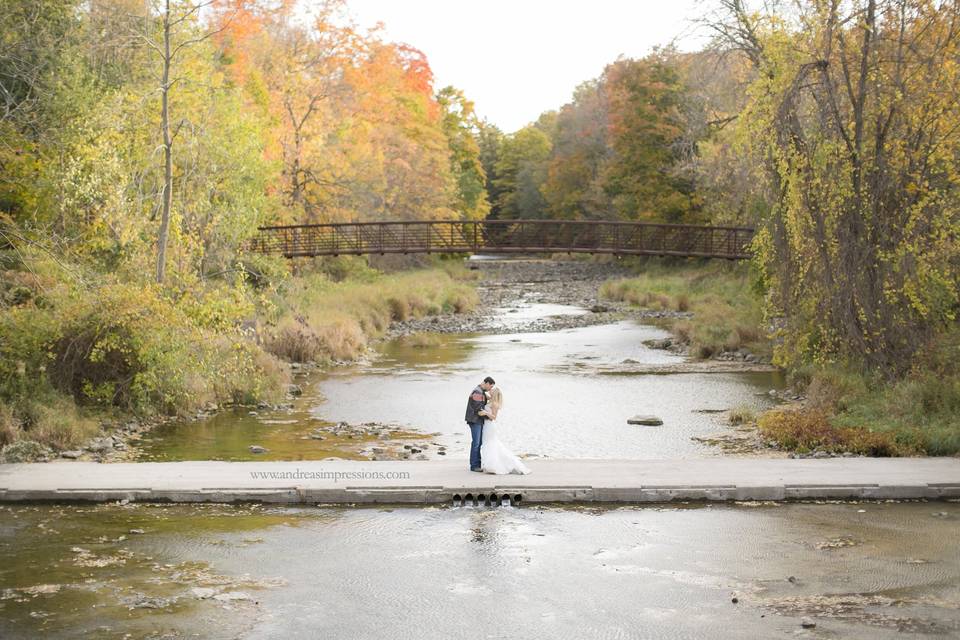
(517,58)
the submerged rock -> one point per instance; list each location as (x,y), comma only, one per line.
(646,420)
(255,448)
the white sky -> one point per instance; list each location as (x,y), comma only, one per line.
(518,58)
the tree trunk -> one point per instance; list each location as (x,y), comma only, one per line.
(167,150)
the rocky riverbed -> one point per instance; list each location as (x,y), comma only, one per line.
(510,286)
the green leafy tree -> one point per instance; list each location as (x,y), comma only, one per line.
(521,170)
(460,126)
(490,141)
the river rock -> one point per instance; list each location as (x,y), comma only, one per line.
(71,455)
(599,308)
(807,623)
(255,448)
(664,343)
(645,420)
(100,445)
(203,593)
(231,595)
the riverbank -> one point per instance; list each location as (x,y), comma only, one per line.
(716,314)
(513,285)
(90,374)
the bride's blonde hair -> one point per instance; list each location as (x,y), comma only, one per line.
(496,400)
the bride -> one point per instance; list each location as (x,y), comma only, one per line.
(494,456)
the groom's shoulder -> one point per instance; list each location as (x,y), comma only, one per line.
(477,393)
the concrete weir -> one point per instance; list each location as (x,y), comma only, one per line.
(448,481)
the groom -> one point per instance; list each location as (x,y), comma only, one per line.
(475,403)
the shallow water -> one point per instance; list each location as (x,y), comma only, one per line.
(858,570)
(567,394)
(552,407)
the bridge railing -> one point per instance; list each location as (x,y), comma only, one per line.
(505,236)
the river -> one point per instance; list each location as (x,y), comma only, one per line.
(755,570)
(253,572)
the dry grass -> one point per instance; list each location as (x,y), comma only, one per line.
(324,320)
(741,415)
(805,430)
(727,315)
(55,422)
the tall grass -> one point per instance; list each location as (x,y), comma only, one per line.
(727,313)
(322,320)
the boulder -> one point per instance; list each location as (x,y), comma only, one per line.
(255,448)
(645,420)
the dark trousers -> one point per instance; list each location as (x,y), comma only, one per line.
(476,439)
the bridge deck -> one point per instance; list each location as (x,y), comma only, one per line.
(505,236)
(440,481)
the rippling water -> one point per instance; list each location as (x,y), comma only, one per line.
(862,570)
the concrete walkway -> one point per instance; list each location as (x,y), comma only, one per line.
(443,481)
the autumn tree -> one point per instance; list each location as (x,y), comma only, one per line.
(574,187)
(646,128)
(854,110)
(304,68)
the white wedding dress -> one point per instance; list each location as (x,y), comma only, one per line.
(494,455)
